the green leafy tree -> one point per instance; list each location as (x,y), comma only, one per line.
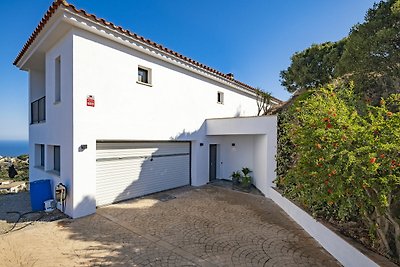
(263,102)
(313,67)
(371,54)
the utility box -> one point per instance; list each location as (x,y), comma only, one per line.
(40,191)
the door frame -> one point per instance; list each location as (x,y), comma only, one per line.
(215,150)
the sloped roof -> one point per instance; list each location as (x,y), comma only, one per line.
(56,4)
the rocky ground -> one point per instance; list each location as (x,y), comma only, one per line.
(16,214)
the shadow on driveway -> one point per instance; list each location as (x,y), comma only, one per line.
(207,226)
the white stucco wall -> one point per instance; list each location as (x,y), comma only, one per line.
(344,252)
(179,101)
(255,146)
(261,161)
(36,85)
(174,107)
(241,126)
(57,130)
(232,158)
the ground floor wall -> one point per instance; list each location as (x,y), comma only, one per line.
(238,151)
(38,137)
(234,151)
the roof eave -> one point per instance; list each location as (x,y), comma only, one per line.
(89,25)
(38,30)
(38,36)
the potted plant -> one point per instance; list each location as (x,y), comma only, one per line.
(245,182)
(236,177)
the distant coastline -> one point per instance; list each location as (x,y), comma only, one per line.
(13,148)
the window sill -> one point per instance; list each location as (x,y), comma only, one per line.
(53,172)
(56,102)
(142,83)
(221,103)
(39,168)
(37,122)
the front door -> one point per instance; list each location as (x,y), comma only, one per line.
(213,162)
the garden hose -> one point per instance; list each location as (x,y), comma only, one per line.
(20,215)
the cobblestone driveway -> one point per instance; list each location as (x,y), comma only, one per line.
(221,227)
(208,226)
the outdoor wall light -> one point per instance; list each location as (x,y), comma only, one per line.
(233,144)
(201,144)
(82,148)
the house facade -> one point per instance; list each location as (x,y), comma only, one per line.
(115,116)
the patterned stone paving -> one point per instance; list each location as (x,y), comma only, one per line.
(221,227)
(208,226)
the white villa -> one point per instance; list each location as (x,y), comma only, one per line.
(115,116)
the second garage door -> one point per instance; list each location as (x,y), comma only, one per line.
(126,170)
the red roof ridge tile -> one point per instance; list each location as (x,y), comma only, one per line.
(55,5)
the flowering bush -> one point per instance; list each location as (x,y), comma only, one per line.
(345,162)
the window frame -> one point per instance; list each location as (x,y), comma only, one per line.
(42,156)
(57,80)
(57,151)
(148,74)
(39,160)
(220,97)
(38,110)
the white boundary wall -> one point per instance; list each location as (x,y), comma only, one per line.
(345,253)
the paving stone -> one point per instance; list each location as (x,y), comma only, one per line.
(225,228)
(207,226)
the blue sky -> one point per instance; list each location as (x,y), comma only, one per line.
(252,39)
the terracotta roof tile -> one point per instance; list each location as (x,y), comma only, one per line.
(58,3)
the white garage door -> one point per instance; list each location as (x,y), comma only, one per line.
(126,170)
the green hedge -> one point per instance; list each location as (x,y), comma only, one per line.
(339,157)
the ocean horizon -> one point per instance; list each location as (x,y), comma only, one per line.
(13,148)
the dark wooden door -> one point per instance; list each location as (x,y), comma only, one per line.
(213,162)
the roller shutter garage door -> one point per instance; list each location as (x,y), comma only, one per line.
(126,170)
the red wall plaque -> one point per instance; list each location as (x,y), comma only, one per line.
(90,101)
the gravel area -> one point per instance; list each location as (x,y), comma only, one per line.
(16,213)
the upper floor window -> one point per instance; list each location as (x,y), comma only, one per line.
(38,110)
(144,75)
(220,97)
(57,80)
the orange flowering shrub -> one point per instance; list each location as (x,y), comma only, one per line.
(346,161)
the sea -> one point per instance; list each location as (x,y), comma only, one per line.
(13,148)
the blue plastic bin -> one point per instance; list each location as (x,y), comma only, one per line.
(40,191)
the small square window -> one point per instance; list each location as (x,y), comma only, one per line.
(220,98)
(144,75)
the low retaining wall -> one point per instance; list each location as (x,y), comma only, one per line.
(345,253)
